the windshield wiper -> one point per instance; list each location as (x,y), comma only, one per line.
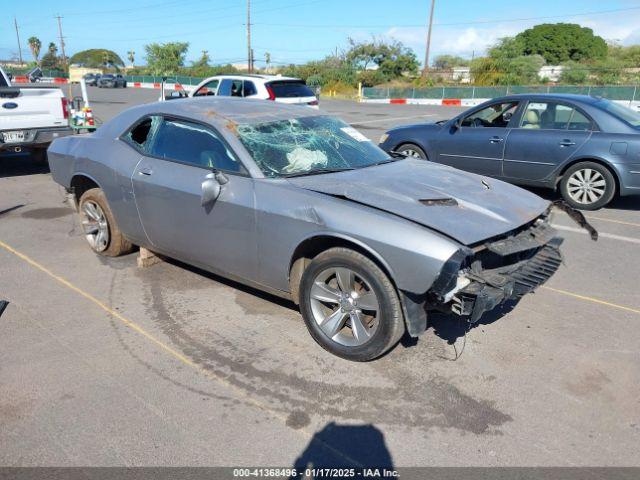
(317,172)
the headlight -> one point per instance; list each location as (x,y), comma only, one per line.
(383,138)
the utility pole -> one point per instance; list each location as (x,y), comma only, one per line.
(249,52)
(64,55)
(426,54)
(18,37)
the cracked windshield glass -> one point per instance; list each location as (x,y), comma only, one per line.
(304,146)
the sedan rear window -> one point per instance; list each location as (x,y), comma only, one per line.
(290,89)
(619,111)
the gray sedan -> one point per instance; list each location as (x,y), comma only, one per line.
(588,147)
(299,204)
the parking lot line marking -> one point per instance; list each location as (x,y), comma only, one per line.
(592,299)
(600,234)
(590,217)
(134,326)
(390,119)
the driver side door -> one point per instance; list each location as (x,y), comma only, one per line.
(477,144)
(168,187)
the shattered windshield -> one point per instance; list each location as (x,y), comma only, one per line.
(308,145)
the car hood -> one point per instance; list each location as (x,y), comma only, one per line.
(464,206)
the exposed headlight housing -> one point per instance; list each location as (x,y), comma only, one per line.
(383,138)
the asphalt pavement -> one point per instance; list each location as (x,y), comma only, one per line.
(103,363)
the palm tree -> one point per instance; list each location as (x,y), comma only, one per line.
(267,59)
(52,48)
(131,54)
(35,44)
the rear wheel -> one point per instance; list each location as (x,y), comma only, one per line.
(350,306)
(100,229)
(412,150)
(588,186)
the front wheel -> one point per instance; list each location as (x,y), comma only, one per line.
(588,186)
(100,229)
(350,306)
(412,150)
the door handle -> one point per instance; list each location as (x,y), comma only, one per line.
(496,139)
(566,143)
(145,171)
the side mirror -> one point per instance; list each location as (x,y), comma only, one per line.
(457,124)
(212,187)
(175,94)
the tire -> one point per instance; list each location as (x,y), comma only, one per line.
(417,152)
(588,186)
(115,244)
(380,328)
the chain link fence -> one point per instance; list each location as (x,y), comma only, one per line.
(181,79)
(613,92)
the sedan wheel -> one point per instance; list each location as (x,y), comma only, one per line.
(411,150)
(349,305)
(588,186)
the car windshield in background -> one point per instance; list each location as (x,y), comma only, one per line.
(108,76)
(620,111)
(289,89)
(308,145)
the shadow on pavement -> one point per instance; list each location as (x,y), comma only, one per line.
(17,165)
(344,446)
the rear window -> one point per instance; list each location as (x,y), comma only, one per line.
(293,89)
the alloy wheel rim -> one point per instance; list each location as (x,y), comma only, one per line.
(344,306)
(95,226)
(586,186)
(410,152)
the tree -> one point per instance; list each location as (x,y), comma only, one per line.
(556,42)
(97,58)
(131,55)
(520,70)
(50,59)
(267,59)
(392,58)
(34,45)
(445,62)
(166,58)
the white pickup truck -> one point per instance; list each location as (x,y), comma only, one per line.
(31,117)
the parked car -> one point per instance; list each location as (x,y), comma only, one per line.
(588,147)
(91,79)
(297,203)
(110,80)
(30,118)
(257,87)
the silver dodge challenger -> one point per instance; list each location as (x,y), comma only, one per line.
(299,204)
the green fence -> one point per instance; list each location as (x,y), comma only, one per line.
(181,79)
(613,92)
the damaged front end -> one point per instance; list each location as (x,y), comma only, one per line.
(497,271)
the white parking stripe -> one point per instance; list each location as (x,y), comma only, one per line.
(389,119)
(600,234)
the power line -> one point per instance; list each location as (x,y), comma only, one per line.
(475,22)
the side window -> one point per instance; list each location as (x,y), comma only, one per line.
(193,144)
(553,116)
(249,88)
(141,135)
(579,122)
(496,115)
(208,88)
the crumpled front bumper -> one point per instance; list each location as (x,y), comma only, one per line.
(488,288)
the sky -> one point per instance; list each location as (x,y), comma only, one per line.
(295,31)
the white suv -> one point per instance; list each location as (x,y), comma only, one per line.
(263,87)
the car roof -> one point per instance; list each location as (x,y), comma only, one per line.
(223,111)
(255,75)
(571,97)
